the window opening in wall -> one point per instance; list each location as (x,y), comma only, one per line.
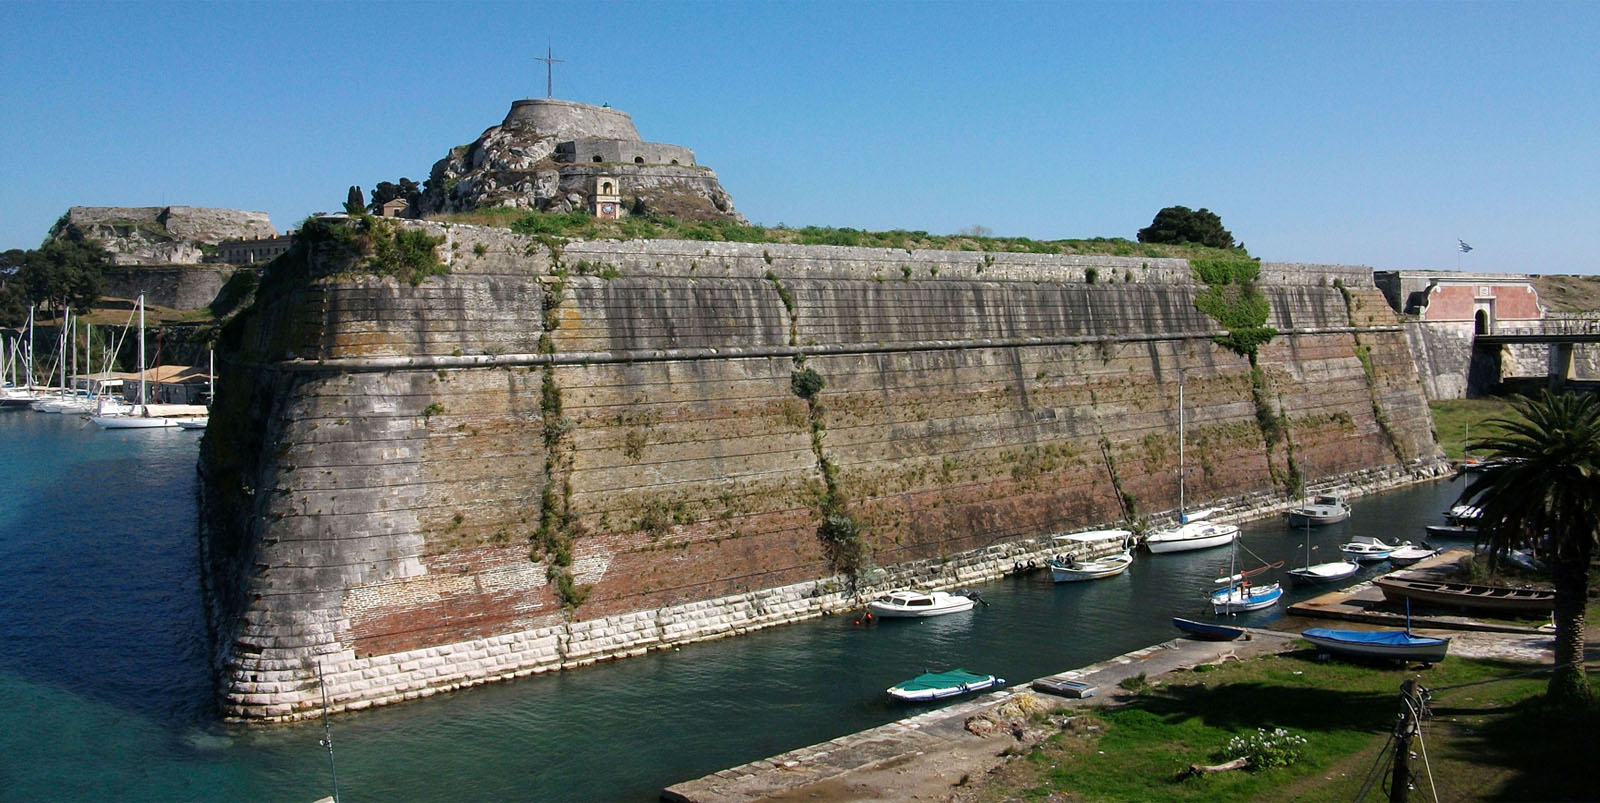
(638,160)
(596,157)
(605,188)
(674,161)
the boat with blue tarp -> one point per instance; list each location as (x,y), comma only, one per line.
(1399,645)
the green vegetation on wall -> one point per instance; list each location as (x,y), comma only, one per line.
(379,245)
(553,540)
(1231,298)
(840,536)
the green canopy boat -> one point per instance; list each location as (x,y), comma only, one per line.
(938,685)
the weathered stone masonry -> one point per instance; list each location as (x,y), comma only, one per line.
(387,526)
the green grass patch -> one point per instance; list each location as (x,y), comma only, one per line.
(1454,420)
(1493,740)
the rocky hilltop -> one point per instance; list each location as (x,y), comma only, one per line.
(548,154)
(160,235)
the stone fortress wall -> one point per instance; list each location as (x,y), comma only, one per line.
(565,119)
(640,399)
(588,151)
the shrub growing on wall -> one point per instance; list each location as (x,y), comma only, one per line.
(1232,298)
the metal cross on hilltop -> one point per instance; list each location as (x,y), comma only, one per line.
(549,71)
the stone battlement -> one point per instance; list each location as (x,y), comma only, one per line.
(567,452)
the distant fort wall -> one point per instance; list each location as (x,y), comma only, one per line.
(568,452)
(179,287)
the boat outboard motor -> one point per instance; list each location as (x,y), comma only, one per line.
(972,594)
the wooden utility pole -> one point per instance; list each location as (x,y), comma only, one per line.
(1410,711)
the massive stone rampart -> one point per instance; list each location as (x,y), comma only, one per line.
(567,452)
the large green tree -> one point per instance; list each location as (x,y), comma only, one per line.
(1546,484)
(1180,224)
(386,191)
(64,273)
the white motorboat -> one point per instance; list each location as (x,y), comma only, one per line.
(1067,568)
(132,421)
(192,423)
(1190,536)
(914,604)
(1366,549)
(1324,509)
(1407,554)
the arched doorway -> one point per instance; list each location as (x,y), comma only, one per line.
(1480,321)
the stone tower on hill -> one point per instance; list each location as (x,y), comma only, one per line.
(558,156)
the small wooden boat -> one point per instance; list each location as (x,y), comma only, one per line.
(1239,594)
(1463,595)
(1324,509)
(1396,644)
(1067,569)
(1364,549)
(1207,630)
(1243,596)
(915,604)
(939,685)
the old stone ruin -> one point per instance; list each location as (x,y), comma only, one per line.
(560,156)
(161,235)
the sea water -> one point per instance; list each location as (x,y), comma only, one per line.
(105,691)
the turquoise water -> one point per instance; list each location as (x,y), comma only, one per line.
(105,691)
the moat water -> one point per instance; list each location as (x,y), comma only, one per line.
(105,691)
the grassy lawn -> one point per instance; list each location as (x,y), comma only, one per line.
(1453,419)
(1490,741)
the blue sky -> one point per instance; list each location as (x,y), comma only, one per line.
(1353,133)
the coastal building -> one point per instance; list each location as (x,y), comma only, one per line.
(254,251)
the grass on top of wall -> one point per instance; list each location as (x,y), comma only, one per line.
(582,225)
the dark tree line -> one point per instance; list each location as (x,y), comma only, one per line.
(1179,224)
(59,274)
(384,192)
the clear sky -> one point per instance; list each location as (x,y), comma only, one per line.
(1354,133)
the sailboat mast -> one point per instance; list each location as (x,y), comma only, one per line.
(1182,515)
(29,363)
(66,322)
(142,402)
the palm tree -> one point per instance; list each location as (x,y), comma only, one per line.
(1547,483)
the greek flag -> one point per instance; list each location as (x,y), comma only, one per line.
(1464,247)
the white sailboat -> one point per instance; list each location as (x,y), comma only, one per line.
(1321,573)
(139,417)
(1193,531)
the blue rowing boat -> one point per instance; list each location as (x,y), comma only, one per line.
(1207,630)
(1395,644)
